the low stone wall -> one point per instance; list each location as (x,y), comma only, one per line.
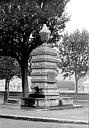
(80,96)
(12,94)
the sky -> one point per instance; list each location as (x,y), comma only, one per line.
(79,12)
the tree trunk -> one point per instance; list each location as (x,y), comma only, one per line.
(6,93)
(76,86)
(24,71)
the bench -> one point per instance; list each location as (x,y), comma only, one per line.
(12,100)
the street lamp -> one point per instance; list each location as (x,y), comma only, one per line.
(44,33)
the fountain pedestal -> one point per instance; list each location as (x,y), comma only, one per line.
(44,87)
(44,72)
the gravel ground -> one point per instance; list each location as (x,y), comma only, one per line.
(9,123)
(70,114)
(73,114)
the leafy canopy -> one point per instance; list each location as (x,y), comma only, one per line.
(8,68)
(73,53)
(21,21)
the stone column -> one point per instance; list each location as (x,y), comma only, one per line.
(44,72)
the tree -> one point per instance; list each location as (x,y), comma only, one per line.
(20,23)
(73,55)
(8,68)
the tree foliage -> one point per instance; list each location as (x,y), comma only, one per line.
(73,54)
(8,68)
(20,23)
